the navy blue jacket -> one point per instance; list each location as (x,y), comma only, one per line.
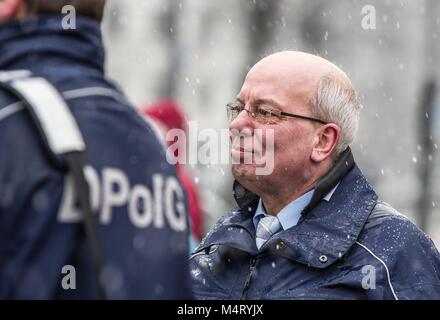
(352,247)
(139,205)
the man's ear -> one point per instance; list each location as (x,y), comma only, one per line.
(11,9)
(327,137)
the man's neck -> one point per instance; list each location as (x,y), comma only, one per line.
(276,201)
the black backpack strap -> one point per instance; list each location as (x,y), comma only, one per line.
(62,139)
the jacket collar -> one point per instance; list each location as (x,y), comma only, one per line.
(27,42)
(326,231)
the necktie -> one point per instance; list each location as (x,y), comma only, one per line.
(266,228)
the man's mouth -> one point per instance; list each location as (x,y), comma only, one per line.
(242,150)
(242,155)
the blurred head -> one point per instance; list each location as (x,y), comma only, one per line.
(299,84)
(17,9)
(167,115)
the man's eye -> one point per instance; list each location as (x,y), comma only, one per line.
(263,112)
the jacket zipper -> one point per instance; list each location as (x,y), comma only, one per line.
(249,278)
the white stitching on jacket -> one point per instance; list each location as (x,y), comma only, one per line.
(386,268)
(68,95)
(93,91)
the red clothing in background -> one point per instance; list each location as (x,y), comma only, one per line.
(169,116)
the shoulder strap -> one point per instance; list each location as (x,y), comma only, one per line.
(61,137)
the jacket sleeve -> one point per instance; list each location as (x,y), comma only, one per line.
(415,262)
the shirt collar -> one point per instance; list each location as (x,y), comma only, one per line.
(290,214)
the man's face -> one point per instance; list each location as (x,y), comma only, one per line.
(267,85)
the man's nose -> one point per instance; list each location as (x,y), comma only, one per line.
(242,121)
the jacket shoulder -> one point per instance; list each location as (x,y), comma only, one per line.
(387,224)
(389,230)
(410,256)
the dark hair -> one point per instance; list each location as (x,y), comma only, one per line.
(89,8)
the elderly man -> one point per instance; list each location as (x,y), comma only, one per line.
(313,228)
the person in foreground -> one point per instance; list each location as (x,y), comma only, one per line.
(138,207)
(313,228)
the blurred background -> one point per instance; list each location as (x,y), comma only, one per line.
(197,53)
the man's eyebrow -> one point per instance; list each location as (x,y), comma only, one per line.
(268,101)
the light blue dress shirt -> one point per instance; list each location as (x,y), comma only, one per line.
(290,214)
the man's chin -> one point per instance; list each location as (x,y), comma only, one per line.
(246,175)
(243,170)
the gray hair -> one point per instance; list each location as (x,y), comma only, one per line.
(336,101)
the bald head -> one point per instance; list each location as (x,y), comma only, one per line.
(296,72)
(301,60)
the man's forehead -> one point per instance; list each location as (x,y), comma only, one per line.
(280,89)
(290,75)
(261,90)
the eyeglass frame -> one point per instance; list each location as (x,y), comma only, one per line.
(275,112)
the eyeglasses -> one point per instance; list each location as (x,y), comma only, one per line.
(262,114)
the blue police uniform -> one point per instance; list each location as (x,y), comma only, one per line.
(139,205)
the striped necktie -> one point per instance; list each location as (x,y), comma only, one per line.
(266,228)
